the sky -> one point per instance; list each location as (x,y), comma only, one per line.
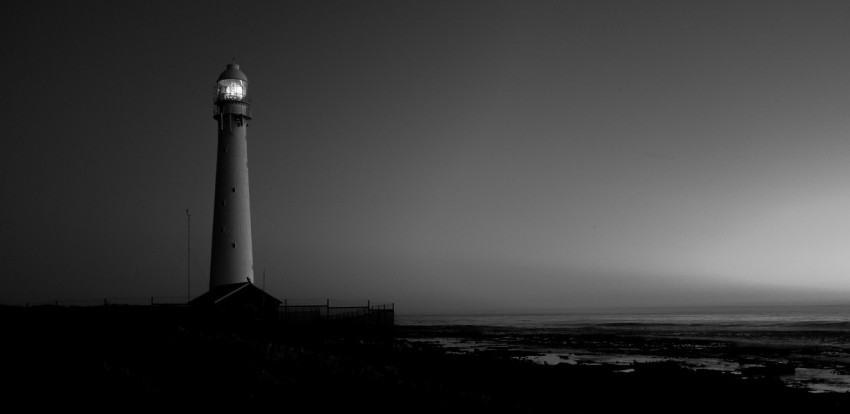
(446,156)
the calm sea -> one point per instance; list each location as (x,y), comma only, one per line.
(813,339)
(835,317)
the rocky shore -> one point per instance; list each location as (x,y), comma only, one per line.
(129,358)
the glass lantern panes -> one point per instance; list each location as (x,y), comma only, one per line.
(232,89)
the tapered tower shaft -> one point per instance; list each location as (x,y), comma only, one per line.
(232,258)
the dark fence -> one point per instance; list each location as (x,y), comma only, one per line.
(307,311)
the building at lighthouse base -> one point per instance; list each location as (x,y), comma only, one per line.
(240,300)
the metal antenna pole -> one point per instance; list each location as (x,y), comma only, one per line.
(188,256)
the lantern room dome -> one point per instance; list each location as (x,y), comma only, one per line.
(232,72)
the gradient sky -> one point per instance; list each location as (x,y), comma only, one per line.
(448,156)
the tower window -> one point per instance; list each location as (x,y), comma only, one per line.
(222,229)
(233,245)
(232,189)
(223,203)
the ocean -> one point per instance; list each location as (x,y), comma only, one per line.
(788,317)
(805,346)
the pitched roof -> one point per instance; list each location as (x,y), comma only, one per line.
(234,293)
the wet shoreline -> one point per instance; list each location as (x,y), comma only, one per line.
(813,360)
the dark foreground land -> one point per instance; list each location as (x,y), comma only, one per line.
(122,358)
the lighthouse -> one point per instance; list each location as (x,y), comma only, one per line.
(232,259)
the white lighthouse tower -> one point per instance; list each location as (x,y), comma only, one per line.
(232,258)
